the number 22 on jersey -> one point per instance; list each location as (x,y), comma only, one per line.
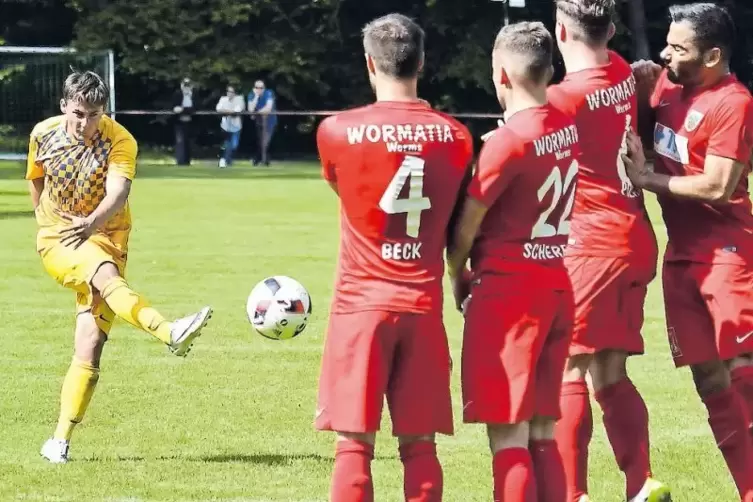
(561,186)
(412,172)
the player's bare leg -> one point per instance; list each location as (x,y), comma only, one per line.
(423,478)
(78,386)
(728,419)
(575,428)
(514,476)
(134,309)
(547,462)
(741,370)
(351,476)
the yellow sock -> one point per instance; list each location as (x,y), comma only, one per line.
(134,309)
(78,388)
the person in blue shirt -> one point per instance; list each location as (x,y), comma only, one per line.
(262,101)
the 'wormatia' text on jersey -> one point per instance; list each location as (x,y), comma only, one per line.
(613,96)
(557,143)
(401,138)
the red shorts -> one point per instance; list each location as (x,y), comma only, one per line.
(609,296)
(372,354)
(709,309)
(514,351)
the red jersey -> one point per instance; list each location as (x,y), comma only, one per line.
(689,126)
(398,168)
(526,176)
(609,215)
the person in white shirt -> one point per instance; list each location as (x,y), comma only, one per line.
(231,104)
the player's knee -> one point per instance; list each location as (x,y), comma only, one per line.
(608,368)
(104,274)
(503,436)
(577,367)
(710,378)
(430,438)
(361,437)
(90,340)
(542,429)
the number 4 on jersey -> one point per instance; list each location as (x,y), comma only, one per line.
(413,168)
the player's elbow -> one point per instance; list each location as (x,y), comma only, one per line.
(719,192)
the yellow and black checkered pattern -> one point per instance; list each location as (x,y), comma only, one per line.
(75,172)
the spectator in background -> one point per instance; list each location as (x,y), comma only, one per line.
(231,104)
(262,101)
(184,108)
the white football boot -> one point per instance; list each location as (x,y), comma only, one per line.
(653,491)
(185,330)
(55,450)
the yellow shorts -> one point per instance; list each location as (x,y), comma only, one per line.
(75,269)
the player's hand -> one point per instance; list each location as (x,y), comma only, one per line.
(461,290)
(77,232)
(646,70)
(635,160)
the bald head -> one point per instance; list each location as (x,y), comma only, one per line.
(525,50)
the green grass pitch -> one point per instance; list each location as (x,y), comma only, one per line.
(234,420)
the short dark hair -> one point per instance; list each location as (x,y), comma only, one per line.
(396,43)
(712,24)
(86,87)
(531,40)
(592,17)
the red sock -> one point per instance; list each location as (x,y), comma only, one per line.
(573,433)
(423,473)
(742,382)
(351,478)
(514,479)
(550,474)
(626,422)
(729,423)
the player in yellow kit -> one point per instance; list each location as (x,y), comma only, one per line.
(80,168)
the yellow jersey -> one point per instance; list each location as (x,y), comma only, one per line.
(75,172)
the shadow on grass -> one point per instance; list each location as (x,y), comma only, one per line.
(206,170)
(10,215)
(269,459)
(110,459)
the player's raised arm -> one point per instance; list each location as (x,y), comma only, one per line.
(728,151)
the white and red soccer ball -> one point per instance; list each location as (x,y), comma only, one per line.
(279,308)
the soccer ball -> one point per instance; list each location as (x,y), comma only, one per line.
(279,308)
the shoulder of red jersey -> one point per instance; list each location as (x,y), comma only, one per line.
(737,90)
(343,117)
(616,59)
(503,145)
